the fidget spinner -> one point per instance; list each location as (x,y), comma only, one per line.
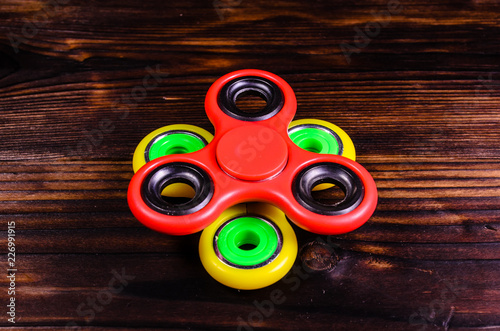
(238,185)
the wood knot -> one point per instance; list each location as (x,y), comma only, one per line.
(318,257)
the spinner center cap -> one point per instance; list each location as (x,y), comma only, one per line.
(252,152)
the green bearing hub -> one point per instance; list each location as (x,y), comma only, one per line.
(315,140)
(176,142)
(247,241)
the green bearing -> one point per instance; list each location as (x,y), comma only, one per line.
(247,241)
(174,143)
(315,140)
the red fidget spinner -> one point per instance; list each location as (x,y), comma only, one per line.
(252,159)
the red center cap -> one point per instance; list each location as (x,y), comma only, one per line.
(252,152)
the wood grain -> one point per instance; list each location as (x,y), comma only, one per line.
(419,99)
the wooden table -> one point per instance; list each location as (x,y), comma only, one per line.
(415,84)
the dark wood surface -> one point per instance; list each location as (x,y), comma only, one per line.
(420,99)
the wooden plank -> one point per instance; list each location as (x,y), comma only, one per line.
(360,285)
(419,98)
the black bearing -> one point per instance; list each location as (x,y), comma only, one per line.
(177,172)
(332,173)
(250,85)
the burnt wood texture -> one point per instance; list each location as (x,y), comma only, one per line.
(414,83)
